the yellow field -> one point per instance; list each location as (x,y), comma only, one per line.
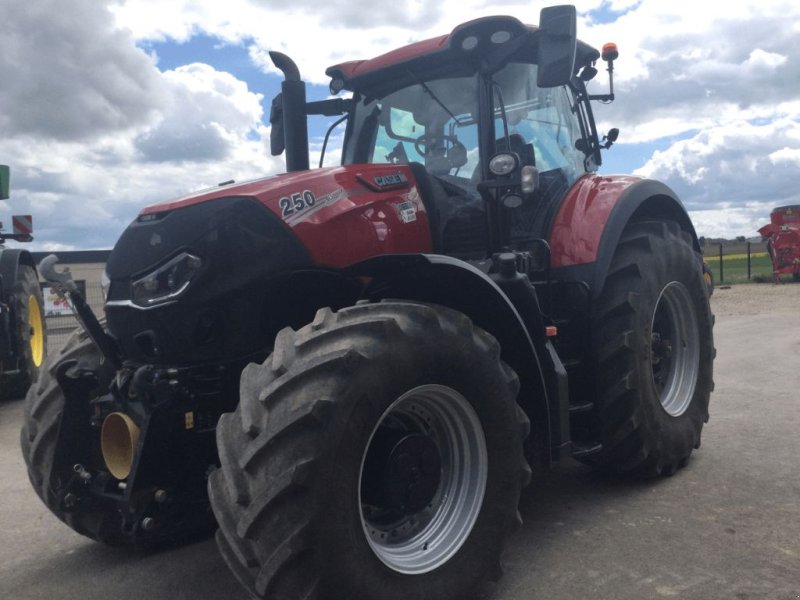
(734,256)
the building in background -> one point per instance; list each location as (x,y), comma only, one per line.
(86,268)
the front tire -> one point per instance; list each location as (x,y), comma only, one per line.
(44,405)
(653,343)
(377,453)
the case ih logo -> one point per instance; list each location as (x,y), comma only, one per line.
(22,224)
(385,181)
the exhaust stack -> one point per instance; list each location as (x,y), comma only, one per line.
(288,116)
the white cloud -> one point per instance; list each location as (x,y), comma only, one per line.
(68,74)
(734,171)
(207,113)
(760,59)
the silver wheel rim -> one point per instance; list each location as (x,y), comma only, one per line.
(675,348)
(423,539)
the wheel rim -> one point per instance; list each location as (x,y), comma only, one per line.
(675,346)
(37,331)
(422,480)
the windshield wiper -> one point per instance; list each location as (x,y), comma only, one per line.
(429,91)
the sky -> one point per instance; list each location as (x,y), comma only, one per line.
(107,106)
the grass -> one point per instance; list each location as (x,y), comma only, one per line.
(735,268)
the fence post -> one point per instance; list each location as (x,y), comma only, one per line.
(748,261)
(721,269)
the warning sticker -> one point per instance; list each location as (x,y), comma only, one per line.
(407,212)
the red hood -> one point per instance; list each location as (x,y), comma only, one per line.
(340,214)
(257,188)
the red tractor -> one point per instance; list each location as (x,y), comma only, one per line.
(783,241)
(360,362)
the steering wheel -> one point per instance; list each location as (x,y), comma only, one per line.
(421,143)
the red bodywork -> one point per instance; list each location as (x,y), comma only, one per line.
(352,218)
(582,217)
(783,240)
(357,212)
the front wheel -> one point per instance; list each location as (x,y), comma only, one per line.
(652,329)
(376,454)
(44,406)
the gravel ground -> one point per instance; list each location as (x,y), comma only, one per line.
(725,528)
(756,299)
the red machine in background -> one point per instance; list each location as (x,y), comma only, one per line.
(783,241)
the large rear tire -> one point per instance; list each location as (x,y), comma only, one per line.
(44,406)
(376,454)
(29,332)
(652,328)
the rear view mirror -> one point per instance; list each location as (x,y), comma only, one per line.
(557,45)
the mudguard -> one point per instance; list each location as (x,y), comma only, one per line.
(10,260)
(588,225)
(451,282)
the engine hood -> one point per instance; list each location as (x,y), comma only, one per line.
(340,215)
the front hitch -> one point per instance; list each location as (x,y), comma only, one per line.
(63,285)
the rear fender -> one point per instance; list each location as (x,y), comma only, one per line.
(10,260)
(453,283)
(593,215)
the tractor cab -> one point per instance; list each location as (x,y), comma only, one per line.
(493,119)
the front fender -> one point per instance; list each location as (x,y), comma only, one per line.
(593,215)
(456,284)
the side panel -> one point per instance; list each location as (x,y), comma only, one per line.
(368,210)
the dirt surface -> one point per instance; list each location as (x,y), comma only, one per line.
(756,299)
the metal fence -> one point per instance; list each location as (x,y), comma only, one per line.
(61,323)
(738,262)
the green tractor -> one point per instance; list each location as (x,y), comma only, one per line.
(23,339)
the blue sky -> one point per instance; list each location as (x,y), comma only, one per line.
(117,104)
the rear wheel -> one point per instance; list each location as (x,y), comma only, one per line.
(29,333)
(652,328)
(376,454)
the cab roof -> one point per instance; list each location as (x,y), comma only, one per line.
(461,52)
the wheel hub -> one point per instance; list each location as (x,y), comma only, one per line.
(423,477)
(413,472)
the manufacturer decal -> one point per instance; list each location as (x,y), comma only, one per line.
(392,180)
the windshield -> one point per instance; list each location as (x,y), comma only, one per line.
(433,123)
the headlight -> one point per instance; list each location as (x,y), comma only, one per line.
(167,282)
(503,164)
